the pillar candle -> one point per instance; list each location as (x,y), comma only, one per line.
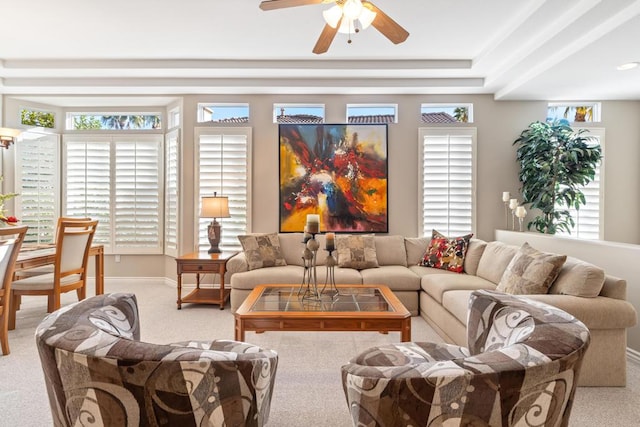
(513,203)
(330,239)
(506,196)
(521,212)
(313,223)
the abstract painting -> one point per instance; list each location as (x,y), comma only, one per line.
(338,171)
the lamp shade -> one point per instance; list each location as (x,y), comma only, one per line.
(215,207)
(8,136)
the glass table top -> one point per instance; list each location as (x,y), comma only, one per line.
(285,299)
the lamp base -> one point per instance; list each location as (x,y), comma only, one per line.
(213,234)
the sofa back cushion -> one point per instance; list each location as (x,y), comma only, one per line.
(415,248)
(578,278)
(494,260)
(474,254)
(390,250)
(292,247)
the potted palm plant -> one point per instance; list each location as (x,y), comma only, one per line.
(555,163)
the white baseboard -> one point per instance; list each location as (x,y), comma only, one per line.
(633,355)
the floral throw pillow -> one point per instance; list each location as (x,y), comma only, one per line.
(446,253)
(262,250)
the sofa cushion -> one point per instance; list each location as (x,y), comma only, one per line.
(530,271)
(578,278)
(446,253)
(457,303)
(390,250)
(435,285)
(396,277)
(356,251)
(494,260)
(474,254)
(262,276)
(262,250)
(415,248)
(292,246)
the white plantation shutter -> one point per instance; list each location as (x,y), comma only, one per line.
(588,217)
(223,167)
(87,185)
(447,165)
(171,193)
(118,181)
(138,185)
(38,185)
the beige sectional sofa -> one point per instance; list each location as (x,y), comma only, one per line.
(441,297)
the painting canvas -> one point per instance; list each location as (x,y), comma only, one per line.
(338,171)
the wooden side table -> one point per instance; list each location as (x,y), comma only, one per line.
(202,263)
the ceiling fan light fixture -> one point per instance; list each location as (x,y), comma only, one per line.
(366,17)
(332,16)
(347,26)
(351,9)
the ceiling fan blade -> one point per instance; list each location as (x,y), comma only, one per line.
(387,26)
(281,4)
(325,39)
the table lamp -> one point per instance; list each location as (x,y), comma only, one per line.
(214,207)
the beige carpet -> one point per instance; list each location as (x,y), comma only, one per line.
(308,390)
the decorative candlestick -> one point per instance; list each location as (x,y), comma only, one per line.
(309,277)
(513,204)
(505,199)
(521,212)
(330,278)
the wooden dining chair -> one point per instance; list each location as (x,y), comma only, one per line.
(73,241)
(43,269)
(11,239)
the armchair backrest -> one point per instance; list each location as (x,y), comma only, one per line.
(96,367)
(498,320)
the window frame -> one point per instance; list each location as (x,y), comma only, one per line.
(467,105)
(278,105)
(374,105)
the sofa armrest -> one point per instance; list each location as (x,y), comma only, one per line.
(614,287)
(237,263)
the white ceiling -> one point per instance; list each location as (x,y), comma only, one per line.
(146,52)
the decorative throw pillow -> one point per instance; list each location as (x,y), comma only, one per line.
(530,271)
(446,253)
(357,252)
(262,250)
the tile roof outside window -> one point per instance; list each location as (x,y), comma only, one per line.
(441,117)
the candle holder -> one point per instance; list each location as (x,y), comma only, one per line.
(309,286)
(521,212)
(513,204)
(330,279)
(505,199)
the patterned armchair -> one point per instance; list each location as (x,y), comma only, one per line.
(521,368)
(98,372)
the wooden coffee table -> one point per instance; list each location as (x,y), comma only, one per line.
(355,308)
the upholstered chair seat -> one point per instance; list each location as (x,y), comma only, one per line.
(520,368)
(96,369)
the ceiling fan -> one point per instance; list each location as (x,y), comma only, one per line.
(346,16)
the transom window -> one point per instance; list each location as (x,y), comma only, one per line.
(114,121)
(223,113)
(298,113)
(38,118)
(372,113)
(574,112)
(446,113)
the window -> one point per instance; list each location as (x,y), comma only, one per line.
(447,167)
(38,183)
(223,113)
(298,113)
(39,118)
(117,180)
(113,121)
(574,112)
(222,159)
(174,118)
(447,113)
(171,185)
(588,217)
(372,113)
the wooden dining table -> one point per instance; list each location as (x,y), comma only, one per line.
(31,256)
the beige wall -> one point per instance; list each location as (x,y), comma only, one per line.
(498,123)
